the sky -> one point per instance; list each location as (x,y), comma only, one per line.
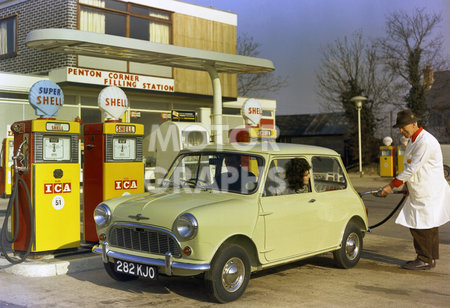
(292,34)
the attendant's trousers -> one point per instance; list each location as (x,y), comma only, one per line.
(426,243)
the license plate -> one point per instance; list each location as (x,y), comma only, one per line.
(136,269)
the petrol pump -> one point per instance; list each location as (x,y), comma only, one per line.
(113,164)
(6,163)
(256,129)
(401,154)
(387,158)
(46,187)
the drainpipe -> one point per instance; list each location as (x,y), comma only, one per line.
(217,105)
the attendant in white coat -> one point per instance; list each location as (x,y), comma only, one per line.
(427,205)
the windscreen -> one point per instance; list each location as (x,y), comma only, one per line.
(218,171)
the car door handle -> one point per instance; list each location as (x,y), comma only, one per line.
(312,201)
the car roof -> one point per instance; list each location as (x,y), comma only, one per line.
(271,148)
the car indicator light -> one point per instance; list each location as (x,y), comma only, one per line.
(187,251)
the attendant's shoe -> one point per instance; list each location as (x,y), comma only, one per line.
(433,263)
(418,265)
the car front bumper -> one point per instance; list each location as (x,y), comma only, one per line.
(168,263)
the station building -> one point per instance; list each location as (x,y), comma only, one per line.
(153,91)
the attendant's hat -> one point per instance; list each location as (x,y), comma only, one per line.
(404,118)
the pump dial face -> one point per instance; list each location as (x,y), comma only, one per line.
(56,148)
(124,148)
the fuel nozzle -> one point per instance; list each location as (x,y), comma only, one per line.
(375,192)
(21,158)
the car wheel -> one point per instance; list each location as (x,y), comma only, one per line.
(109,267)
(229,274)
(352,244)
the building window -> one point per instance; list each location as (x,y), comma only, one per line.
(125,19)
(8,36)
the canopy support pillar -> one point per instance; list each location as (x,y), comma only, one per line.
(217,105)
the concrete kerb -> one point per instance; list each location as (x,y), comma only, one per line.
(50,265)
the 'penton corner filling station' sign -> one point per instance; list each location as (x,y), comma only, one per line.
(122,80)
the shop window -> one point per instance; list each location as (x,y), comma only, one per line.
(115,17)
(115,24)
(328,174)
(116,5)
(8,36)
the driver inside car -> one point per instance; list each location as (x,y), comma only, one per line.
(237,178)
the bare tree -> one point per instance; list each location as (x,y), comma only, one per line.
(351,67)
(411,44)
(353,59)
(258,84)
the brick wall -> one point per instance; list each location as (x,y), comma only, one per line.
(39,14)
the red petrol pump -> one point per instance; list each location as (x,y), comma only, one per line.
(46,190)
(256,129)
(113,164)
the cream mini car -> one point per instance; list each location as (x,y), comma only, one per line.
(228,212)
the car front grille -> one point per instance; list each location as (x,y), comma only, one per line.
(145,239)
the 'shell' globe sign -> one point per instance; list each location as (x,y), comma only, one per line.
(113,101)
(46,97)
(252,111)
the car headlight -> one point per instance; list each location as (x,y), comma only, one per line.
(102,215)
(186,226)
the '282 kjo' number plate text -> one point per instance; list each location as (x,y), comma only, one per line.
(136,269)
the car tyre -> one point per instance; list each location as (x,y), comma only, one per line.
(229,275)
(109,267)
(352,244)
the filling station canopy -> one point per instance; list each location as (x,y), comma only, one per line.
(84,43)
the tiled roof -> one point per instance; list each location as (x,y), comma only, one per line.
(318,124)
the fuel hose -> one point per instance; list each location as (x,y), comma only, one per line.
(4,236)
(388,216)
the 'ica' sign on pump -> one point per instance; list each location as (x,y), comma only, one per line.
(113,101)
(46,97)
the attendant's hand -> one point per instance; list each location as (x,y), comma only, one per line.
(386,190)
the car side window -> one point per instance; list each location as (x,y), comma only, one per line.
(328,174)
(287,176)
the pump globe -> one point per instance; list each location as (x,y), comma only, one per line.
(387,141)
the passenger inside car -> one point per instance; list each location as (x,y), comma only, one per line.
(298,175)
(288,176)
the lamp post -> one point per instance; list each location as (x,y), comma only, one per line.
(358,103)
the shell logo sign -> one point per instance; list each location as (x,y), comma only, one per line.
(252,112)
(113,101)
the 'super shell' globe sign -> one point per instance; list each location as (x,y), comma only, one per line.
(113,101)
(46,97)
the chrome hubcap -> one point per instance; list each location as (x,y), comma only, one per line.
(352,246)
(233,274)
